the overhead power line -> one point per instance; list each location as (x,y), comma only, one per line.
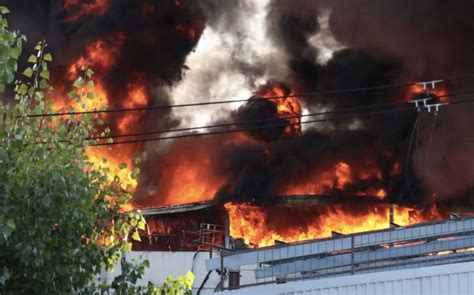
(351,116)
(309,94)
(280,124)
(273,120)
(285,124)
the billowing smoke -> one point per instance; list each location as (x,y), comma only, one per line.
(430,39)
(149,41)
(185,51)
(291,27)
(384,43)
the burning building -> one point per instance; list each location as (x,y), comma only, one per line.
(264,70)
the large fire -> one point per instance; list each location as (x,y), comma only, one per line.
(102,54)
(186,170)
(262,226)
(187,177)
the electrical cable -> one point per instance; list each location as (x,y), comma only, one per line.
(276,120)
(350,116)
(273,120)
(250,128)
(309,94)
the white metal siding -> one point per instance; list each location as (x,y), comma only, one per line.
(163,264)
(450,279)
(456,283)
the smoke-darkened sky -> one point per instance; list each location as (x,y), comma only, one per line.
(207,50)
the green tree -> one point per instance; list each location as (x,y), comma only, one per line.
(11,44)
(60,220)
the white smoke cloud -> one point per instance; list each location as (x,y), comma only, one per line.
(226,65)
(324,40)
(232,58)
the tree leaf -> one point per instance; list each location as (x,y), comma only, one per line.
(48,57)
(78,83)
(11,224)
(45,74)
(28,72)
(141,225)
(73,95)
(89,73)
(22,89)
(146,263)
(136,236)
(15,52)
(32,59)
(4,10)
(43,84)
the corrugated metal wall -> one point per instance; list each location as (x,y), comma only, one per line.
(449,279)
(457,283)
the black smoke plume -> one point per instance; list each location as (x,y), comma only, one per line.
(156,42)
(383,42)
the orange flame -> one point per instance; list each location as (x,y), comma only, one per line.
(287,106)
(339,178)
(137,96)
(343,174)
(260,227)
(113,160)
(188,177)
(84,103)
(101,55)
(81,10)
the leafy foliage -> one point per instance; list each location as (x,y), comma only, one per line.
(11,44)
(60,220)
(131,272)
